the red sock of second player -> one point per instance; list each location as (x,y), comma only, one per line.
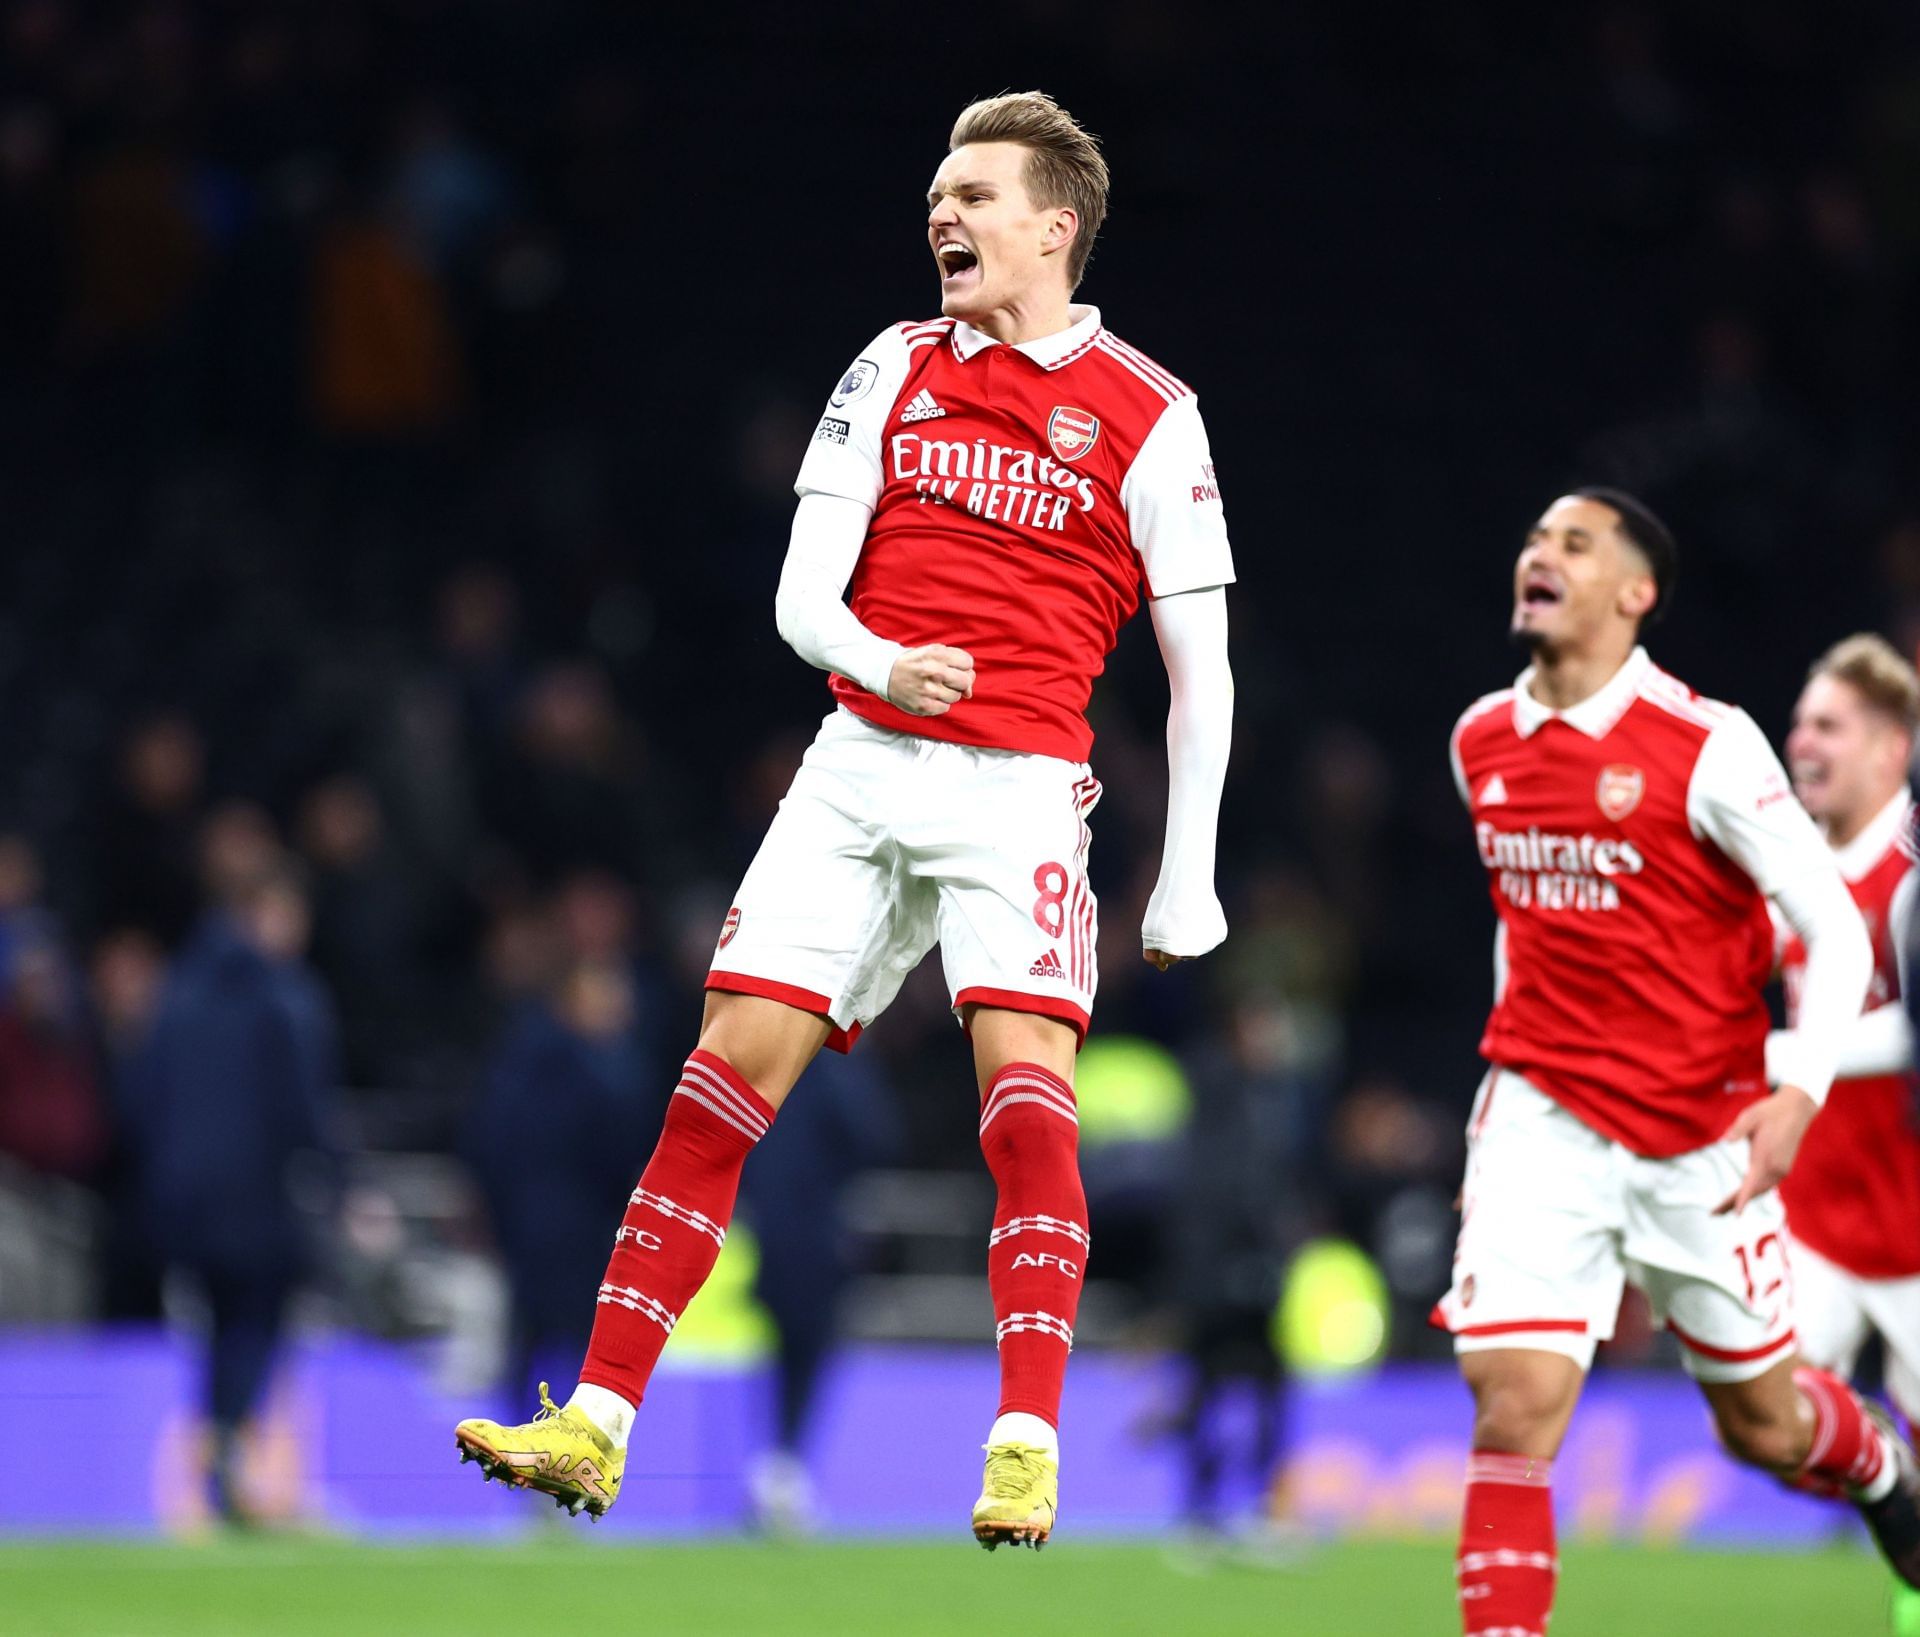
(1507,1565)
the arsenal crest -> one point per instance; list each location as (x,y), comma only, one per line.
(1072,432)
(731,926)
(1619,790)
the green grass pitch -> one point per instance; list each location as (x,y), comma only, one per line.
(281,1587)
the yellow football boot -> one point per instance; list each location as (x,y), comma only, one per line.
(559,1452)
(1019,1497)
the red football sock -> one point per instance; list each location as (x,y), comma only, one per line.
(1506,1563)
(675,1224)
(1037,1257)
(1847,1447)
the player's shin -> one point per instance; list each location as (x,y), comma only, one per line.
(1506,1565)
(1037,1256)
(675,1224)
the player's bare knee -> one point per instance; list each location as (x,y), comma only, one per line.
(768,1042)
(1522,1400)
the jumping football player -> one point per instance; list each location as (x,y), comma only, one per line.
(996,485)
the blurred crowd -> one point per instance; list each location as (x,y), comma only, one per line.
(398,408)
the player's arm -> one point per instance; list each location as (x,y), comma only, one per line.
(1740,800)
(1184,918)
(1179,528)
(1876,1042)
(839,486)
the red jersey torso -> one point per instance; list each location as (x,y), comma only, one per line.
(1635,951)
(1854,1191)
(1014,516)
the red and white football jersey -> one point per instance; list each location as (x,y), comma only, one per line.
(1020,494)
(1629,843)
(1854,1191)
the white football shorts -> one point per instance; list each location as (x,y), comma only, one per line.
(888,843)
(1835,1311)
(1554,1217)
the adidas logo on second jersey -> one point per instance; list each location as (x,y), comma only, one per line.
(1493,792)
(922,408)
(1048,966)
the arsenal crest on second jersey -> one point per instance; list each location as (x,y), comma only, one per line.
(1619,789)
(1072,432)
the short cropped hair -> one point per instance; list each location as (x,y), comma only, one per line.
(1873,667)
(1064,164)
(1653,539)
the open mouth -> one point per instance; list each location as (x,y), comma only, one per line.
(1808,775)
(1540,594)
(956,262)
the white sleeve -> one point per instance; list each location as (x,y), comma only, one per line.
(1459,767)
(1739,799)
(1174,511)
(1881,1041)
(809,607)
(1184,915)
(847,453)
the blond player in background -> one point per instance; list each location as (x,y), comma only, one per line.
(1853,1196)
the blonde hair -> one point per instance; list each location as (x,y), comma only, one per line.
(1064,164)
(1873,667)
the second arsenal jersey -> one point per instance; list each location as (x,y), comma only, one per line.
(1628,843)
(1020,496)
(1854,1191)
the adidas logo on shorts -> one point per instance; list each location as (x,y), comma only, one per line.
(922,408)
(1048,966)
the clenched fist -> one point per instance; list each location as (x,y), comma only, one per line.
(930,681)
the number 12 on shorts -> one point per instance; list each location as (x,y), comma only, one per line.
(1763,1266)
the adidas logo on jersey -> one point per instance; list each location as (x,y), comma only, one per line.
(922,408)
(1048,966)
(1493,792)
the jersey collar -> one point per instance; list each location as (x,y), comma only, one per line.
(1596,715)
(1860,855)
(1049,351)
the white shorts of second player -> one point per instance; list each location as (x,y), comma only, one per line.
(1555,1217)
(888,843)
(1835,1311)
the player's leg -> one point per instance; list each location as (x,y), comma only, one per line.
(751,1052)
(1017,927)
(1537,1282)
(1507,1565)
(815,945)
(1812,1429)
(1722,1285)
(1036,1258)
